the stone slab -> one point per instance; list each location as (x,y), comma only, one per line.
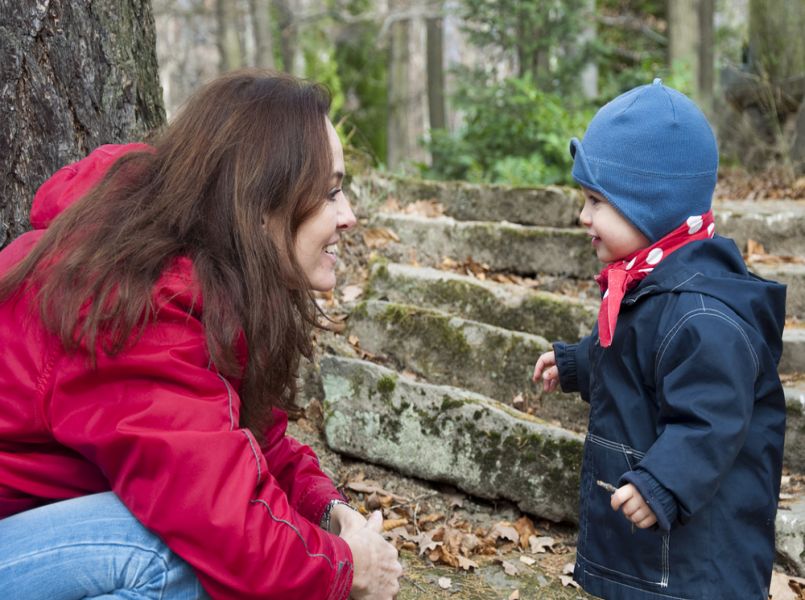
(525,250)
(550,206)
(448,350)
(441,433)
(777,224)
(514,307)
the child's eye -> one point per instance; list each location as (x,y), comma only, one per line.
(333,194)
(593,200)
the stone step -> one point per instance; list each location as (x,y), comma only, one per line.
(550,206)
(777,224)
(513,307)
(447,350)
(502,246)
(793,276)
(794,457)
(793,359)
(445,434)
(790,533)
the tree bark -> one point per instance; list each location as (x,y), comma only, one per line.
(407,96)
(683,38)
(263,39)
(706,82)
(231,55)
(436,98)
(74,75)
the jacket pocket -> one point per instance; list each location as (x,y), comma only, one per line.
(611,544)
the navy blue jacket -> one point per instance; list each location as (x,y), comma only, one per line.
(686,404)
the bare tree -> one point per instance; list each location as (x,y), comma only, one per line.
(75,75)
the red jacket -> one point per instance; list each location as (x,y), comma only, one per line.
(158,425)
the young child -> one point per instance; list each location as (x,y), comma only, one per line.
(682,460)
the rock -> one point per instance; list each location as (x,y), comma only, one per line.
(790,535)
(502,246)
(514,307)
(777,224)
(448,350)
(549,206)
(441,433)
(793,359)
(794,456)
(793,276)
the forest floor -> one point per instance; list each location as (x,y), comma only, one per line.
(463,548)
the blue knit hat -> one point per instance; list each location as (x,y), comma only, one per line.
(651,153)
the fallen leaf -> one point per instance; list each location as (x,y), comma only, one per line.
(367,487)
(389,524)
(568,569)
(431,518)
(377,237)
(753,247)
(539,545)
(351,292)
(527,560)
(354,341)
(524,526)
(780,588)
(445,583)
(567,581)
(425,208)
(466,564)
(515,595)
(504,530)
(509,568)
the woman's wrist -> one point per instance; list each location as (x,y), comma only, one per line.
(327,517)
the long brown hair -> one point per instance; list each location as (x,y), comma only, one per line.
(250,146)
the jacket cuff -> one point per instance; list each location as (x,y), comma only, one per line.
(314,500)
(566,362)
(659,499)
(341,582)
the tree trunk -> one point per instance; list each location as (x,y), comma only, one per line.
(407,95)
(75,75)
(683,39)
(231,56)
(706,82)
(589,73)
(436,99)
(263,39)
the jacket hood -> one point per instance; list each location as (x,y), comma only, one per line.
(70,183)
(716,268)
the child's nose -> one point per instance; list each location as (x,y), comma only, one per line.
(584,216)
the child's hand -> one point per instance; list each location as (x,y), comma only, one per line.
(547,369)
(634,507)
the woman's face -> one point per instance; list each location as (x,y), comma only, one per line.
(316,243)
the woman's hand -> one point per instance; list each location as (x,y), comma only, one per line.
(634,507)
(376,568)
(343,518)
(547,369)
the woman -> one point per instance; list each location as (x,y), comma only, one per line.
(151,327)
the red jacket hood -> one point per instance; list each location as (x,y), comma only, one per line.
(70,183)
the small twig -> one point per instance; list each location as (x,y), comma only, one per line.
(413,500)
(607,486)
(414,583)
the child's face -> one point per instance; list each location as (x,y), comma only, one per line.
(613,236)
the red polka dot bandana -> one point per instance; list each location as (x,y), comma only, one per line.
(620,276)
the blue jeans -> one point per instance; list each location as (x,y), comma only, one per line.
(89,547)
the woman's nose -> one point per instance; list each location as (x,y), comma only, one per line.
(346,218)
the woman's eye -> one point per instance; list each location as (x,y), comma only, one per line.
(333,193)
